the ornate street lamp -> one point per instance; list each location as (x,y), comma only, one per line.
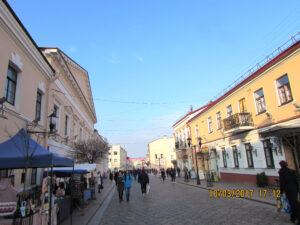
(52,125)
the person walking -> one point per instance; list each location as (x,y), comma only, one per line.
(100,181)
(143,180)
(289,186)
(127,185)
(135,174)
(116,174)
(120,185)
(111,176)
(173,174)
(163,174)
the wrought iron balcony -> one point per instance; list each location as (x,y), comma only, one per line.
(238,122)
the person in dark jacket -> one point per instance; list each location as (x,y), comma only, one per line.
(120,186)
(289,186)
(143,180)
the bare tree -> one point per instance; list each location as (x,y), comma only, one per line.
(91,150)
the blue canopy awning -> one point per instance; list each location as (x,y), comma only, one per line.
(22,151)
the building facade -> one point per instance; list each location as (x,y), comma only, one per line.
(24,84)
(117,156)
(161,153)
(70,99)
(254,125)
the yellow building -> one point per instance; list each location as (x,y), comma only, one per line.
(184,154)
(161,153)
(254,125)
(117,158)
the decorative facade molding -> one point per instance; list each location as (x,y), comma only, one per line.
(24,40)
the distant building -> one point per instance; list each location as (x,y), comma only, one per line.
(117,158)
(138,163)
(161,153)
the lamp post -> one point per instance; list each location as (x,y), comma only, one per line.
(200,143)
(197,172)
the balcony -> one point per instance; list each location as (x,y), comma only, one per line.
(238,122)
(180,145)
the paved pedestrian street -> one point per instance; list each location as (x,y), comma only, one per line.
(174,203)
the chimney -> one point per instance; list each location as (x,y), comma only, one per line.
(191,108)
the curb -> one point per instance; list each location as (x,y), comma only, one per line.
(101,203)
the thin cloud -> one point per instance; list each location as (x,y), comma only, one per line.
(112,59)
(140,58)
(72,49)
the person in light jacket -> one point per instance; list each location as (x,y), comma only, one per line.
(128,179)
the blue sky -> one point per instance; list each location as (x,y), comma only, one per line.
(149,60)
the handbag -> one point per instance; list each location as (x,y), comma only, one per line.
(283,204)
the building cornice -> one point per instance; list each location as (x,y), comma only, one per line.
(58,56)
(18,30)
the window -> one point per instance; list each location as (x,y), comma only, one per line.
(224,158)
(242,105)
(115,153)
(109,153)
(109,160)
(210,128)
(219,120)
(156,156)
(229,110)
(4,173)
(172,157)
(284,90)
(38,106)
(268,153)
(67,125)
(235,156)
(197,131)
(260,101)
(11,84)
(161,156)
(248,148)
(115,160)
(33,176)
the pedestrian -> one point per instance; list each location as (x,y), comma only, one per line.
(120,185)
(186,177)
(116,174)
(100,181)
(163,174)
(178,171)
(111,176)
(134,174)
(289,186)
(143,180)
(127,185)
(173,174)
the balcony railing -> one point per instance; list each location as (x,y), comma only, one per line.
(238,122)
(180,145)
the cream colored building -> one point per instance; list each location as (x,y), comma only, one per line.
(117,158)
(70,99)
(161,152)
(24,82)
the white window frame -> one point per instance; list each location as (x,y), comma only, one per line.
(219,122)
(57,125)
(227,110)
(255,101)
(210,125)
(277,90)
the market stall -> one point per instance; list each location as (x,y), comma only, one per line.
(22,152)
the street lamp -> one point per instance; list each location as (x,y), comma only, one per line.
(52,125)
(189,144)
(200,143)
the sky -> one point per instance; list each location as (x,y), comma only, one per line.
(149,61)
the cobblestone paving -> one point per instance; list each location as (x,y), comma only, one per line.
(173,203)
